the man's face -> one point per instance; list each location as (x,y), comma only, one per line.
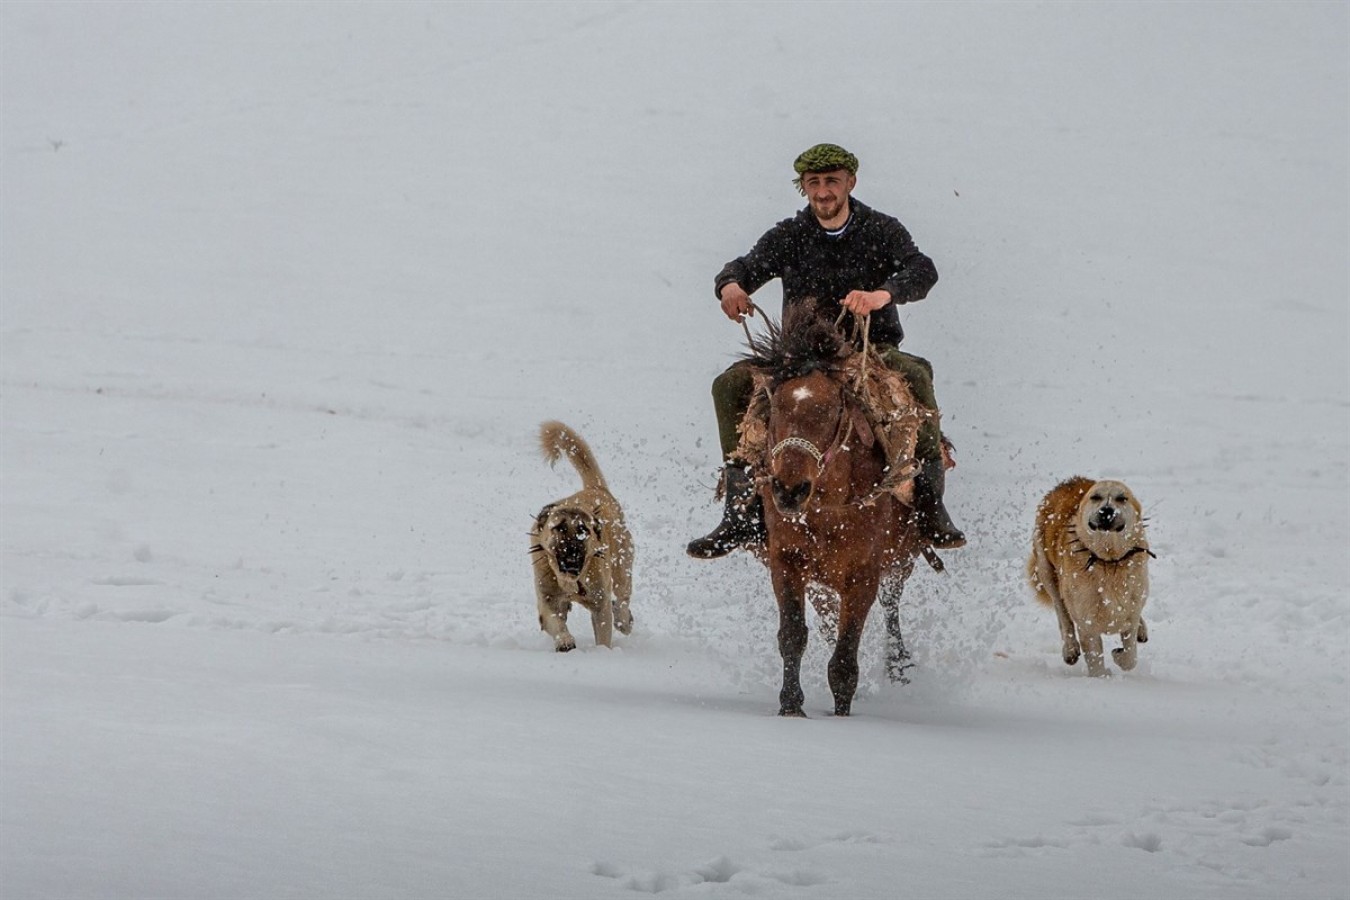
(827,192)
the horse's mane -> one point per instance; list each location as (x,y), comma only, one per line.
(806,340)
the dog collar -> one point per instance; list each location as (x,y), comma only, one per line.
(1093,558)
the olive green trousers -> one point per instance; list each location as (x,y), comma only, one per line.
(732,389)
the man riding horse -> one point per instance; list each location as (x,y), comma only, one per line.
(852,258)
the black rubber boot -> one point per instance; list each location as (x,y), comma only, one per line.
(742,518)
(935,524)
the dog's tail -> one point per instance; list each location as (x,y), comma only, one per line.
(556,439)
(1037,572)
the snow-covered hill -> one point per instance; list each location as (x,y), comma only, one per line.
(285,291)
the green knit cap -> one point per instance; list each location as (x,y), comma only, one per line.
(823,158)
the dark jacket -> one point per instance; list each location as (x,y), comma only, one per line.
(875,252)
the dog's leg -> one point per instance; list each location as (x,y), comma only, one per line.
(1092,655)
(602,621)
(553,620)
(1142,633)
(623,595)
(623,616)
(1068,634)
(1048,585)
(602,614)
(1126,655)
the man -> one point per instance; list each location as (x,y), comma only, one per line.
(846,255)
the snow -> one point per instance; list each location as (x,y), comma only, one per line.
(287,290)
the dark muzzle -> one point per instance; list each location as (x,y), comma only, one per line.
(571,555)
(790,499)
(1106,519)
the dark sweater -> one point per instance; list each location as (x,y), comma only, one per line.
(875,252)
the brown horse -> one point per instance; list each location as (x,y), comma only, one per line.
(827,525)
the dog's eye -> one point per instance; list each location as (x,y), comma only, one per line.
(583,530)
(1096,498)
(1120,498)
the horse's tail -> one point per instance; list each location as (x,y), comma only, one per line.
(556,440)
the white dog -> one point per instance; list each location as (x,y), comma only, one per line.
(1089,560)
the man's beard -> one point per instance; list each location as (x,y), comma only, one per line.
(827,210)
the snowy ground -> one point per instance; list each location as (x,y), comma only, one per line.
(287,289)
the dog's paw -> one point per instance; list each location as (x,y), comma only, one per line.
(565,644)
(1071,655)
(1125,660)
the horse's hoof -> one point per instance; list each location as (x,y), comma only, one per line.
(896,673)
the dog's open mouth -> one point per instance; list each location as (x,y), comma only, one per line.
(571,557)
(1106,523)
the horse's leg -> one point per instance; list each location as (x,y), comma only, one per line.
(897,657)
(855,600)
(826,605)
(790,587)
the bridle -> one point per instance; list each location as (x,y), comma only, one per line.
(824,457)
(844,430)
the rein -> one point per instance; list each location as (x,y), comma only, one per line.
(754,308)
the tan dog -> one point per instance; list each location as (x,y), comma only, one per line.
(1089,560)
(580,548)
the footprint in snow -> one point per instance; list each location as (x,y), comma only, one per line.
(721,870)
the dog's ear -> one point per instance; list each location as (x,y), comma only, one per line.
(543,514)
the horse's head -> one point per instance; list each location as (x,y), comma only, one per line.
(808,420)
(810,415)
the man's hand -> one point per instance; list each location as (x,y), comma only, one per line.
(860,303)
(736,302)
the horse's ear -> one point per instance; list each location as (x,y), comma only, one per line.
(862,427)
